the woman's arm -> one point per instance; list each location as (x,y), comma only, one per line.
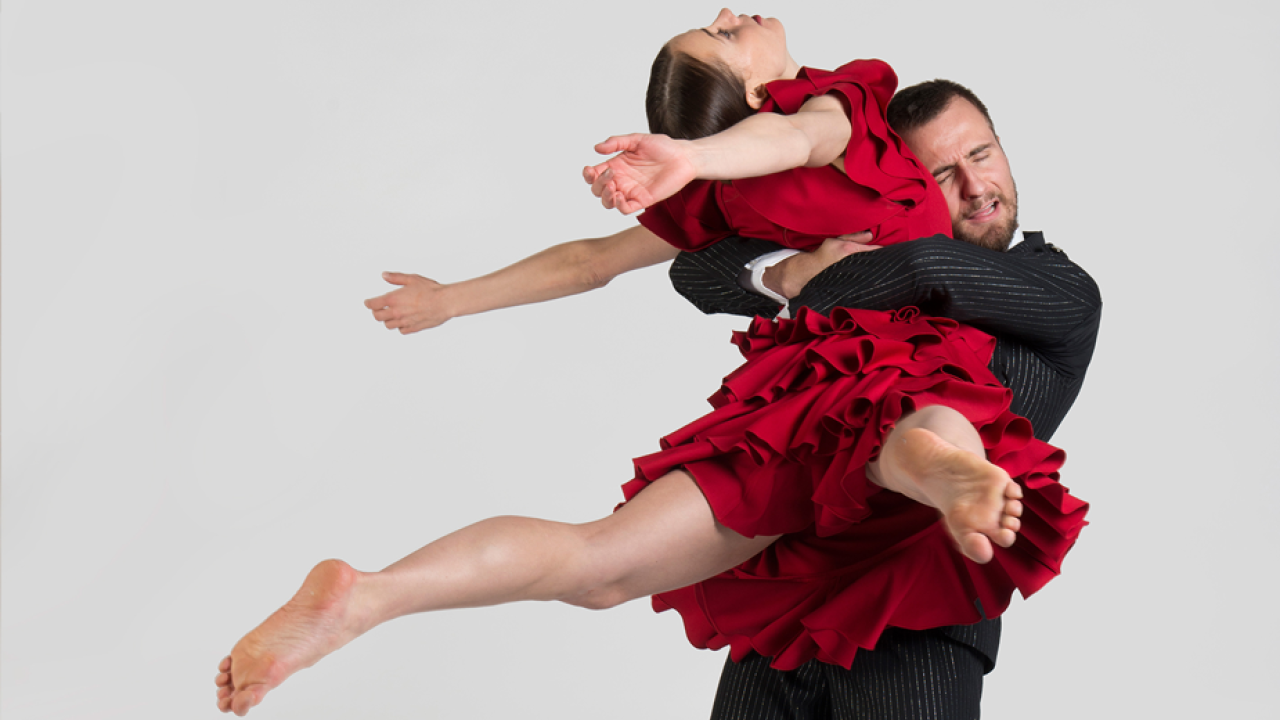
(768,143)
(651,168)
(565,269)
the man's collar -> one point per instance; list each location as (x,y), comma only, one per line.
(1031,241)
(1017,238)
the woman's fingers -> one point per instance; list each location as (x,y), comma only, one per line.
(603,183)
(619,143)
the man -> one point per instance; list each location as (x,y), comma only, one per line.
(1044,311)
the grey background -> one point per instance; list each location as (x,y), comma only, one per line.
(196,406)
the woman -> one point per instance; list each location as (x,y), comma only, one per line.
(674,530)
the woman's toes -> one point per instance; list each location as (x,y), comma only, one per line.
(977,548)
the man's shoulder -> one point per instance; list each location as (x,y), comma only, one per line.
(1029,241)
(1033,241)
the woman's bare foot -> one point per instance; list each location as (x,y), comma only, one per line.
(978,501)
(318,620)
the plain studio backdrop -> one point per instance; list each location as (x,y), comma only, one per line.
(197,407)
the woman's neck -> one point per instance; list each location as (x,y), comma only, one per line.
(789,73)
(793,69)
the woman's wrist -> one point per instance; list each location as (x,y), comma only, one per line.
(700,157)
(452,301)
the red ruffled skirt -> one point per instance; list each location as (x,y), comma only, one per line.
(784,452)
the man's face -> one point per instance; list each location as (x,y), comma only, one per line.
(964,155)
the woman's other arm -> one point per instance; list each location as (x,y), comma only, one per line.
(651,168)
(566,269)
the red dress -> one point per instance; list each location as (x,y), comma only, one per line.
(883,188)
(785,449)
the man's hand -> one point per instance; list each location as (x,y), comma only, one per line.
(646,170)
(789,277)
(419,304)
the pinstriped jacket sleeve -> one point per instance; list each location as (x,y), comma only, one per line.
(709,278)
(1032,294)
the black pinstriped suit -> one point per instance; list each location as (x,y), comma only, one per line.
(1044,311)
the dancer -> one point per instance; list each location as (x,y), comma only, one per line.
(671,534)
(1044,311)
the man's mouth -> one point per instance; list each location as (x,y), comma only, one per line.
(986,212)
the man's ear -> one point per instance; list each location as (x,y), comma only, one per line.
(757,95)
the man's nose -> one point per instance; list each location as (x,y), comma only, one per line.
(972,185)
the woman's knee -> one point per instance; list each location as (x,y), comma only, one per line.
(609,564)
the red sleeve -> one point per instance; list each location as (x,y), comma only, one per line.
(689,220)
(876,158)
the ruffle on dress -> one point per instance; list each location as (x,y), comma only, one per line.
(784,453)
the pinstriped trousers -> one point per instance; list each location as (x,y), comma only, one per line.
(911,675)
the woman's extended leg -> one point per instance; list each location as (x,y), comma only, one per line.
(664,538)
(935,456)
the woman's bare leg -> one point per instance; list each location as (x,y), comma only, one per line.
(935,456)
(664,538)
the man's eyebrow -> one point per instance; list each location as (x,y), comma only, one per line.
(976,151)
(979,150)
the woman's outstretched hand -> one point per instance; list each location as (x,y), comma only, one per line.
(417,305)
(646,170)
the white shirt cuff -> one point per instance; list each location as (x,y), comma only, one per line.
(752,277)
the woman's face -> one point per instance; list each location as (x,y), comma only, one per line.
(753,47)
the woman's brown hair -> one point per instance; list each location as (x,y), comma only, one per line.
(690,99)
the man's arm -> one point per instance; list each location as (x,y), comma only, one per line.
(709,278)
(1037,296)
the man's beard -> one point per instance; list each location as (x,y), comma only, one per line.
(995,236)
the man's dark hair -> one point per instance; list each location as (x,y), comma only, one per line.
(690,99)
(919,104)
